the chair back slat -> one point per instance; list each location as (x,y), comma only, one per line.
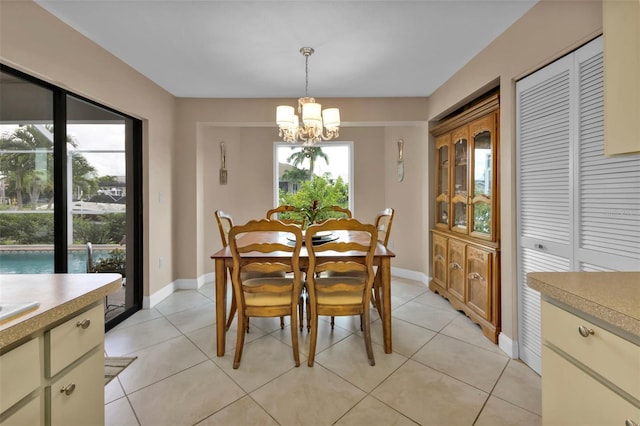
(384,220)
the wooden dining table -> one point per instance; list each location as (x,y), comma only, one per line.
(223,261)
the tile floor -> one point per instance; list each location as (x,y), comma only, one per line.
(442,371)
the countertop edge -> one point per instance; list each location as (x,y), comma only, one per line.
(603,313)
(36,324)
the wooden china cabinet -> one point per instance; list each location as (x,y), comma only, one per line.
(466,236)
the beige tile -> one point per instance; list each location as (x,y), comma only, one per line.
(143,335)
(159,362)
(497,412)
(463,361)
(462,328)
(307,396)
(185,398)
(113,391)
(208,290)
(193,319)
(370,411)
(433,299)
(180,301)
(142,315)
(406,289)
(429,397)
(348,359)
(119,413)
(263,360)
(521,386)
(425,316)
(242,412)
(326,337)
(205,339)
(406,338)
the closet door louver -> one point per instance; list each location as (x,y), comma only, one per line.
(543,132)
(608,187)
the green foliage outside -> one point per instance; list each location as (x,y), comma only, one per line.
(37,228)
(26,228)
(115,262)
(321,189)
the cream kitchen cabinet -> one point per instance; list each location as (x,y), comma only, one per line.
(57,378)
(590,376)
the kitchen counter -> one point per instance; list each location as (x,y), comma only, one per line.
(59,296)
(611,298)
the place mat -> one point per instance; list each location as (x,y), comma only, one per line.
(113,365)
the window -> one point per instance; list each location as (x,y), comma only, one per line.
(322,172)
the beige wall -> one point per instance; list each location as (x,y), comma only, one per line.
(248,130)
(34,41)
(549,30)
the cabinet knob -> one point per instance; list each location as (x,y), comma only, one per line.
(84,324)
(584,331)
(68,390)
(439,258)
(455,265)
(476,276)
(630,422)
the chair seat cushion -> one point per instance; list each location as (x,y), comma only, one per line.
(343,296)
(270,298)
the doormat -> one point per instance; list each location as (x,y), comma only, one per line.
(113,365)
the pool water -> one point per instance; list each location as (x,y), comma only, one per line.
(41,262)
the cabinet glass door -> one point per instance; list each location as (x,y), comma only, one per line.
(442,182)
(482,177)
(459,180)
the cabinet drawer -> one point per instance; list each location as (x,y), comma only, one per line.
(21,371)
(77,398)
(30,414)
(69,341)
(612,357)
(572,397)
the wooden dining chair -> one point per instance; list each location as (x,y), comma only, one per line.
(292,214)
(345,294)
(266,296)
(383,222)
(225,223)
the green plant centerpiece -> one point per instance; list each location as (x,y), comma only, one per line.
(314,199)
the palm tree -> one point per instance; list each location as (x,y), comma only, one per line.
(311,153)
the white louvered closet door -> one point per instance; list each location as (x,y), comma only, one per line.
(543,136)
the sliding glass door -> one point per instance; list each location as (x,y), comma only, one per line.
(70,181)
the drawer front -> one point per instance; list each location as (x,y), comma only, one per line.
(69,341)
(572,397)
(21,370)
(31,414)
(77,398)
(612,357)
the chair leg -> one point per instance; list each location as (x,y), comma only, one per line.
(301,310)
(294,339)
(239,340)
(333,321)
(314,338)
(232,310)
(367,338)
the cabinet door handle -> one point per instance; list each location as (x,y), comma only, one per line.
(455,265)
(68,390)
(584,331)
(630,422)
(476,276)
(84,324)
(439,257)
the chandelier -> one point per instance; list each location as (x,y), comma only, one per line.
(314,126)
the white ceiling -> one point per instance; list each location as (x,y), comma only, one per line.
(250,49)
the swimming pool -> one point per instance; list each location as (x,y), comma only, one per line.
(41,261)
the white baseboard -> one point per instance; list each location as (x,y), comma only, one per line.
(149,302)
(508,345)
(186,284)
(410,275)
